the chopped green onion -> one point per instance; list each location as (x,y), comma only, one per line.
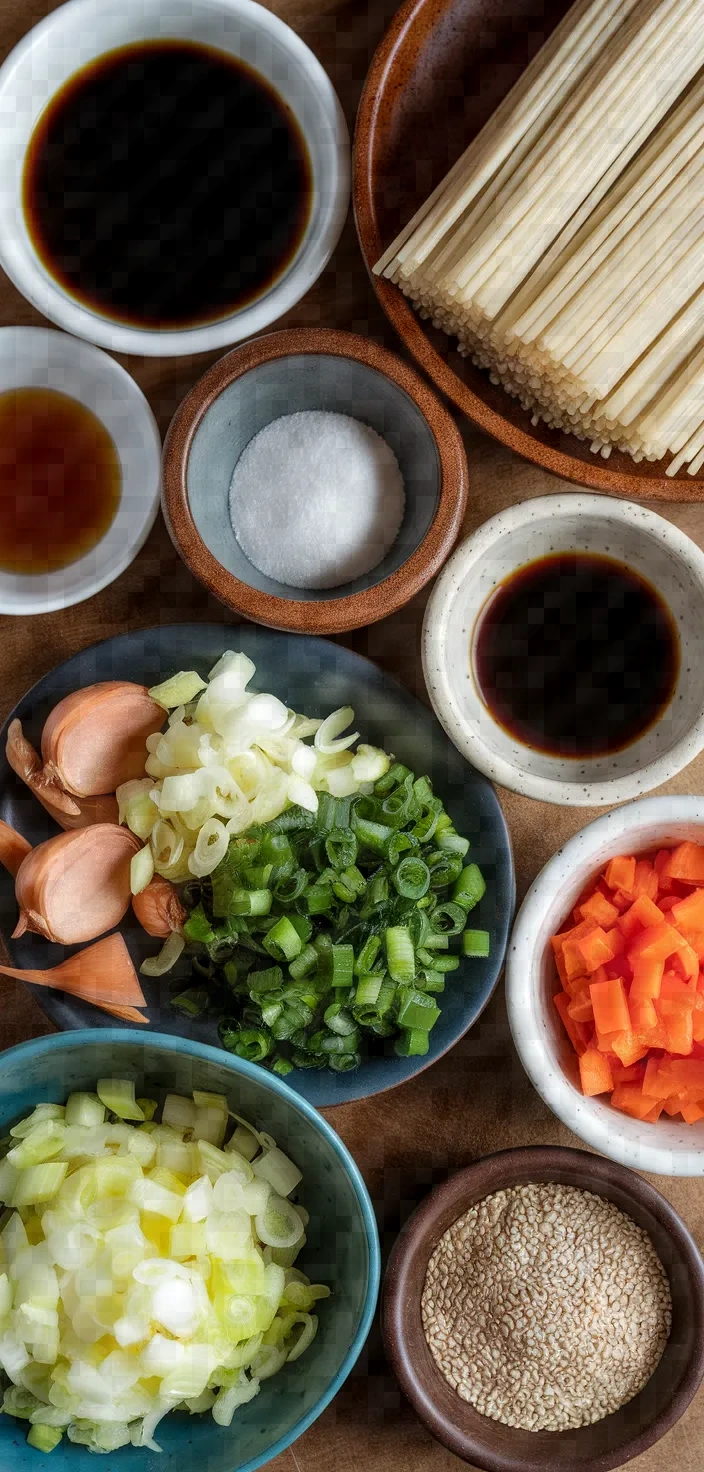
(367,992)
(251,901)
(476,943)
(399,953)
(44,1438)
(303,963)
(342,966)
(449,918)
(198,927)
(371,835)
(413,1043)
(252,1044)
(452,843)
(260,982)
(283,941)
(469,888)
(339,1020)
(416,1009)
(412,878)
(367,956)
(396,774)
(282,1066)
(343,1062)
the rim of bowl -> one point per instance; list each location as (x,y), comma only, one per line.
(549,1081)
(438,677)
(54,1042)
(497,1172)
(327,615)
(86,354)
(39,288)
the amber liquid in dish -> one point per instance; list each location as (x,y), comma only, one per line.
(60,480)
(166,185)
(576,655)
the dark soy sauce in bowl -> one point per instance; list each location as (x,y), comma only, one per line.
(167,184)
(576,655)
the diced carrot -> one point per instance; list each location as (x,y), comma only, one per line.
(631,1075)
(686,963)
(694,938)
(666,901)
(629,1047)
(573,960)
(678,1029)
(656,1037)
(630,1099)
(647,979)
(646,880)
(659,1081)
(676,995)
(610,1006)
(687,862)
(698,1019)
(617,941)
(620,873)
(573,933)
(656,942)
(604,1040)
(643,1014)
(580,1007)
(689,912)
(661,863)
(595,948)
(673,1105)
(692,1113)
(577,1032)
(641,913)
(688,1074)
(599,909)
(654,1113)
(595,1073)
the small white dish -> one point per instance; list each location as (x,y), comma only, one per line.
(35,357)
(576,522)
(69,39)
(668,1147)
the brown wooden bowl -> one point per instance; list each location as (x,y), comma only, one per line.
(439,73)
(486,1443)
(311,369)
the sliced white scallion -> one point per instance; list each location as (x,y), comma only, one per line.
(167,957)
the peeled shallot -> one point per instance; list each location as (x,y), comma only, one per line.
(102,974)
(158,908)
(76,886)
(66,810)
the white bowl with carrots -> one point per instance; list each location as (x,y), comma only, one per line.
(605,985)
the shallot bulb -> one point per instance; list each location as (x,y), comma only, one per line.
(102,974)
(76,886)
(95,739)
(13,848)
(158,908)
(66,810)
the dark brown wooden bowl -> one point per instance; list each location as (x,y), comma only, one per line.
(440,71)
(390,395)
(488,1444)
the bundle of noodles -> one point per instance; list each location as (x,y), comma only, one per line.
(565,249)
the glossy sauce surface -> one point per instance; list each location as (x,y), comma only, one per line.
(167,184)
(576,655)
(60,480)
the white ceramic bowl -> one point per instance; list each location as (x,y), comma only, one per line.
(668,1147)
(33,357)
(69,39)
(533,529)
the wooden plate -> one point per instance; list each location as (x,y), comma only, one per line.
(440,71)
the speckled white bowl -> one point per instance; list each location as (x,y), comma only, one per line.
(669,1147)
(533,529)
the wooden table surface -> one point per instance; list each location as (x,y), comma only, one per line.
(477,1099)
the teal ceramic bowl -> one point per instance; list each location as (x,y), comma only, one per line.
(342,1248)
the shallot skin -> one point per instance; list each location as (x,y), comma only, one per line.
(68,811)
(95,739)
(76,886)
(13,848)
(102,974)
(158,908)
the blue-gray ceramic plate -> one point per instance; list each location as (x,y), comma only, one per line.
(316,676)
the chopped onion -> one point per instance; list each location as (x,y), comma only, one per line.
(179,690)
(328,738)
(280,1172)
(141,869)
(210,848)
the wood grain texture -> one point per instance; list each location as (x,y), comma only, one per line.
(477,1099)
(440,72)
